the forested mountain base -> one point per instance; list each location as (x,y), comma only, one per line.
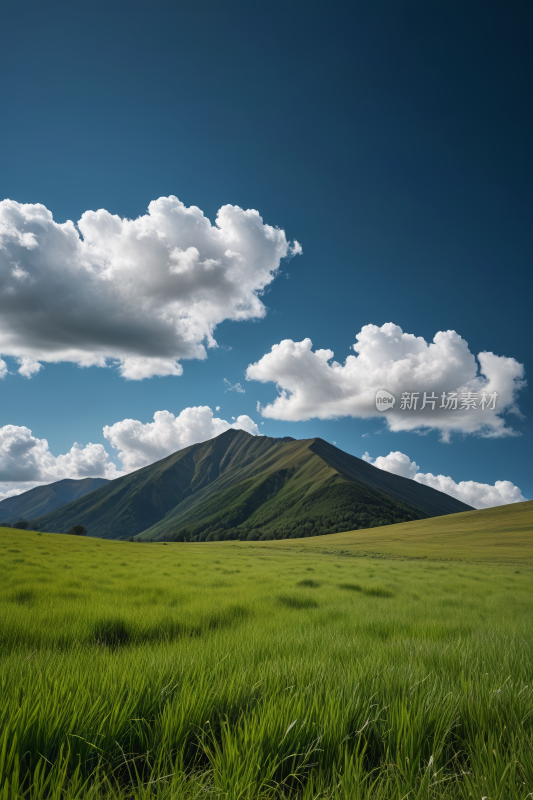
(338,507)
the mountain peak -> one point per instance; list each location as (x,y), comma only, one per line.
(239,485)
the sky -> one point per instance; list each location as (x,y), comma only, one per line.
(261,215)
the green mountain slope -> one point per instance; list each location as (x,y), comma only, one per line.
(433,502)
(44,499)
(242,486)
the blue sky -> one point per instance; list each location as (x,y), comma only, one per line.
(391,140)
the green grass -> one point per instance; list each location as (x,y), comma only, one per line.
(257,670)
(493,535)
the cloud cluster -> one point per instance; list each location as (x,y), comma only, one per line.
(139,444)
(26,461)
(478,495)
(142,293)
(311,384)
(25,458)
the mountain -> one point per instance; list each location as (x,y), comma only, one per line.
(44,499)
(242,486)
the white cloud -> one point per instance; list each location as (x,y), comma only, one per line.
(136,368)
(19,273)
(398,463)
(478,495)
(25,458)
(3,369)
(233,387)
(28,366)
(141,293)
(139,444)
(295,249)
(310,384)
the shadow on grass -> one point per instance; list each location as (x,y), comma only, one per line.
(292,601)
(112,633)
(370,591)
(23,597)
(115,633)
(378,591)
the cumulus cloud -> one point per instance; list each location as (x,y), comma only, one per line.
(139,444)
(25,458)
(478,495)
(398,463)
(142,293)
(311,384)
(28,366)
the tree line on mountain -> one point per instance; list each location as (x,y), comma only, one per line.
(23,525)
(336,511)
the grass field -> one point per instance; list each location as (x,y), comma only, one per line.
(501,535)
(269,670)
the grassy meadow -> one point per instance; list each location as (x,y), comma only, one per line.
(323,668)
(501,535)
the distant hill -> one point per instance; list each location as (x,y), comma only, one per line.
(44,499)
(498,535)
(250,487)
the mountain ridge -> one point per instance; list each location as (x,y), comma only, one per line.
(404,490)
(48,498)
(243,486)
